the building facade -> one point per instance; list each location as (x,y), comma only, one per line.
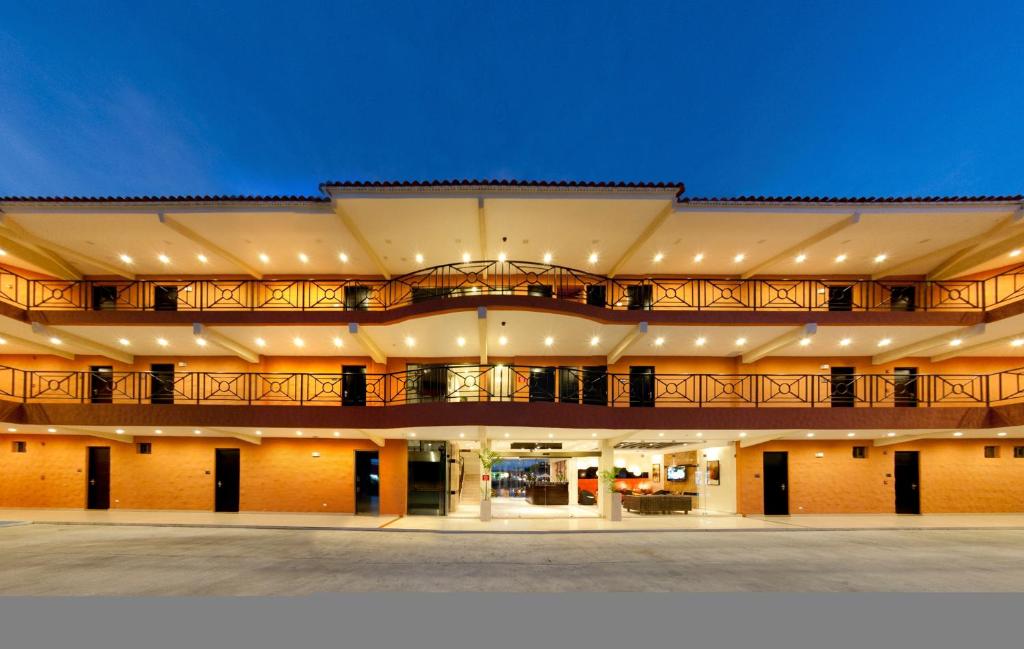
(354,351)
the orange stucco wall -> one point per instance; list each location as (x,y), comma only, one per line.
(955,476)
(278,475)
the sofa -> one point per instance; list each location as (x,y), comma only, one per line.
(665,504)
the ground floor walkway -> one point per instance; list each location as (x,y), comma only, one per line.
(148,560)
(546,522)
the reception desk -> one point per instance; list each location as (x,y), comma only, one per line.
(548,493)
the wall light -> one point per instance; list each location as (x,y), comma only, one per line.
(1017,342)
(1013,253)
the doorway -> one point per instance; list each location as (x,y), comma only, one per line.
(353,385)
(904,384)
(227,480)
(367,482)
(101,384)
(641,386)
(161,383)
(776,478)
(98,475)
(843,383)
(908,493)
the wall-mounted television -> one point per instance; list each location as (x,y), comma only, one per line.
(676,473)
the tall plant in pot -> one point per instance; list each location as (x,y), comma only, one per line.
(488,459)
(607,479)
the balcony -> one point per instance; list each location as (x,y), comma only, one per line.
(515,278)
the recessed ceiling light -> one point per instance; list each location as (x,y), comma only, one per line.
(700,434)
(54,430)
(594,340)
(658,257)
(840,258)
(202,258)
(1015,253)
(55,340)
(119,431)
(265,258)
(502,257)
(3,253)
(659,341)
(880,258)
(298,342)
(410,341)
(164,259)
(890,435)
(260,342)
(1002,434)
(412,434)
(956,342)
(338,342)
(419,258)
(551,435)
(124,342)
(303,257)
(805,342)
(337,434)
(502,340)
(299,433)
(547,257)
(699,257)
(845,342)
(700,341)
(661,434)
(740,257)
(743,434)
(592,258)
(460,341)
(201,342)
(885,342)
(12,430)
(1017,342)
(3,341)
(801,258)
(549,341)
(158,431)
(741,342)
(198,432)
(851,434)
(466,257)
(506,434)
(343,257)
(259,432)
(125,258)
(462,435)
(958,434)
(810,434)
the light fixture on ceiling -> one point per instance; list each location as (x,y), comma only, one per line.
(56,341)
(410,341)
(303,257)
(594,340)
(3,253)
(3,341)
(1015,252)
(260,342)
(845,342)
(592,258)
(880,258)
(342,257)
(1001,434)
(551,435)
(124,342)
(659,341)
(810,434)
(1017,342)
(412,434)
(466,257)
(801,258)
(197,432)
(658,256)
(259,432)
(125,258)
(462,435)
(741,341)
(851,434)
(502,257)
(337,433)
(840,258)
(661,434)
(956,342)
(506,435)
(164,259)
(298,342)
(739,257)
(593,434)
(885,342)
(12,430)
(699,257)
(54,430)
(158,431)
(549,341)
(700,434)
(890,434)
(265,258)
(958,434)
(805,342)
(502,340)
(743,434)
(460,341)
(201,342)
(419,258)
(119,431)
(338,342)
(299,433)
(700,341)
(547,257)
(202,258)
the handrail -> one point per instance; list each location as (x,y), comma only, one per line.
(525,278)
(512,383)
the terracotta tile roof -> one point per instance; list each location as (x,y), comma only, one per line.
(854,199)
(164,199)
(489,182)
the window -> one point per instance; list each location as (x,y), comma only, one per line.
(991,452)
(19,447)
(1018,452)
(144,448)
(860,452)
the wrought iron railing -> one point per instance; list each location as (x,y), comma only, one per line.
(512,383)
(515,278)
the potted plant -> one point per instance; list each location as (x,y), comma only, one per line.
(488,459)
(607,479)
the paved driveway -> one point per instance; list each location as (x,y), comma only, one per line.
(109,560)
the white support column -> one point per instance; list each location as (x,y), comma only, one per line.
(572,472)
(485,486)
(605,463)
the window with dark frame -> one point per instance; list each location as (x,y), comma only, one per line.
(991,452)
(144,448)
(19,447)
(1018,452)
(860,452)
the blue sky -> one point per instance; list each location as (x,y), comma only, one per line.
(839,98)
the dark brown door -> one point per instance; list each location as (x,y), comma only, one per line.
(227,480)
(101,384)
(908,491)
(844,386)
(776,483)
(904,387)
(367,482)
(161,383)
(98,475)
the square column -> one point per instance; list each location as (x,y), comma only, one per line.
(605,463)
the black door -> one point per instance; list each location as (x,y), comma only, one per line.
(98,487)
(367,482)
(542,384)
(902,298)
(641,296)
(540,290)
(595,385)
(357,298)
(422,294)
(165,298)
(353,385)
(227,480)
(101,384)
(776,483)
(641,387)
(104,298)
(161,383)
(908,493)
(904,387)
(843,387)
(840,298)
(597,295)
(569,385)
